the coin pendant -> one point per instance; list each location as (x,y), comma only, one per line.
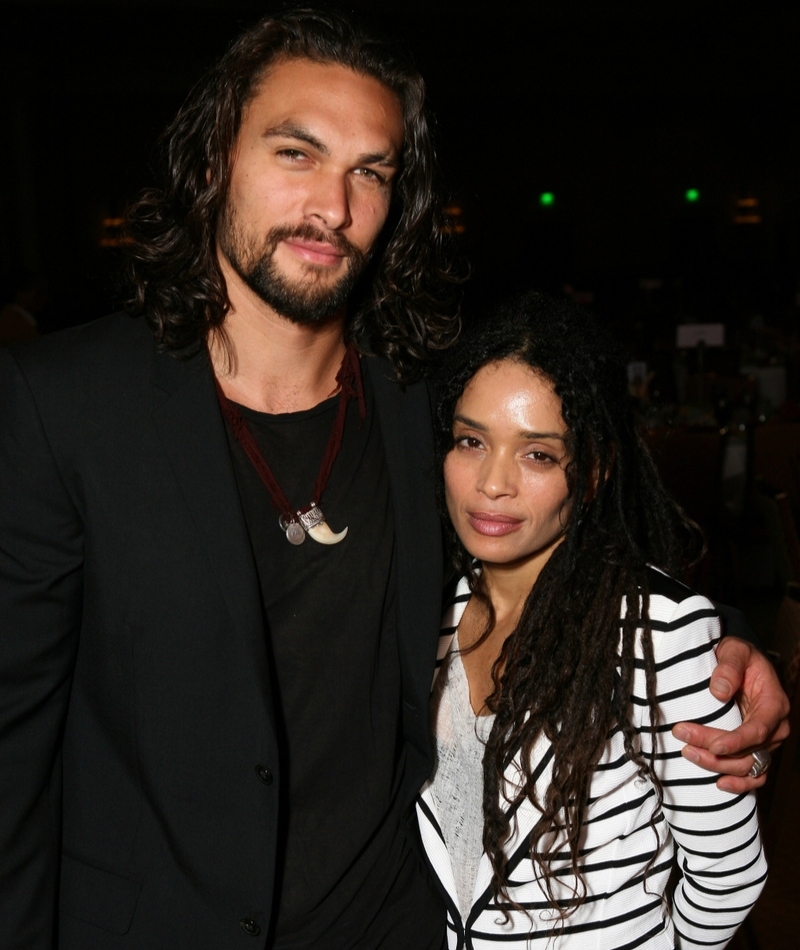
(295,533)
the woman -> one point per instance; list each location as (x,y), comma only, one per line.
(560,793)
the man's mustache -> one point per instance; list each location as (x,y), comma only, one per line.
(307,232)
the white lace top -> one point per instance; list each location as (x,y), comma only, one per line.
(457,782)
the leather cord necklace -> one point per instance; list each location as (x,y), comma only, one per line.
(297,522)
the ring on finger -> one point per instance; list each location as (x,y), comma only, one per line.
(761,761)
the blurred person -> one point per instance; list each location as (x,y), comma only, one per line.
(220,556)
(21,303)
(559,795)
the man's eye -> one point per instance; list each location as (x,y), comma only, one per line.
(370,174)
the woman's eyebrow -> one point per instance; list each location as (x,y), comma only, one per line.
(544,435)
(470,422)
(524,434)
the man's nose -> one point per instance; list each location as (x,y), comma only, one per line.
(328,200)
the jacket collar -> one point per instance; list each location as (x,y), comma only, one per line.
(187,418)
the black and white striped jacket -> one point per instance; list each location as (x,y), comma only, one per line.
(715,834)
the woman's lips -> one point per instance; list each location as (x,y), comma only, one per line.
(494,525)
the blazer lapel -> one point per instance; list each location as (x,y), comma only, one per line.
(435,849)
(522,820)
(527,814)
(187,418)
(456,604)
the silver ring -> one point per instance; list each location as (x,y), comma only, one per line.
(761,761)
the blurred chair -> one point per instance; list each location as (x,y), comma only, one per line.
(779,521)
(690,462)
(776,458)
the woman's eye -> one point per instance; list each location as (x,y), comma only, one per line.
(469,442)
(539,456)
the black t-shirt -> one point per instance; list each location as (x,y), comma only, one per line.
(346,875)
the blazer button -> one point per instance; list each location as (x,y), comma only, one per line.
(264,774)
(249,926)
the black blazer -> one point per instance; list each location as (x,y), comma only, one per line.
(138,760)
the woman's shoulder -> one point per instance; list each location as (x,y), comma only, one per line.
(682,620)
(671,601)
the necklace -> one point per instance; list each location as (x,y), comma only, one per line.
(297,522)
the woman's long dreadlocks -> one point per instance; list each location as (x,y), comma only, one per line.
(567,670)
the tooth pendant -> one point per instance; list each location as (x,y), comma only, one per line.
(310,522)
(322,534)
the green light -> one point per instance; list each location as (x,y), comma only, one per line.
(546,198)
(692,194)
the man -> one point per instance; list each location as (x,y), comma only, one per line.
(214,701)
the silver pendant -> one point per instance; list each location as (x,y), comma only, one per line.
(311,518)
(312,522)
(294,532)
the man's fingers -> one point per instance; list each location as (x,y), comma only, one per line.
(749,737)
(738,786)
(752,734)
(737,780)
(732,658)
(737,766)
(765,709)
(725,681)
(780,735)
(719,743)
(692,733)
(746,738)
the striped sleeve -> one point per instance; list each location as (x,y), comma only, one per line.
(719,854)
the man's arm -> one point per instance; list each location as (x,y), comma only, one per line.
(743,672)
(41,547)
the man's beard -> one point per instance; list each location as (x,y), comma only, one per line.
(309,301)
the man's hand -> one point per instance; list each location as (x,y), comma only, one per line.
(748,675)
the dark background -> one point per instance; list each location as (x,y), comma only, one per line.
(615,107)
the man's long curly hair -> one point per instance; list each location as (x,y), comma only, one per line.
(405,305)
(566,672)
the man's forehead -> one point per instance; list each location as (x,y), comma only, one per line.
(294,71)
(296,90)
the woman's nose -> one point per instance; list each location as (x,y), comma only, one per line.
(497,476)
